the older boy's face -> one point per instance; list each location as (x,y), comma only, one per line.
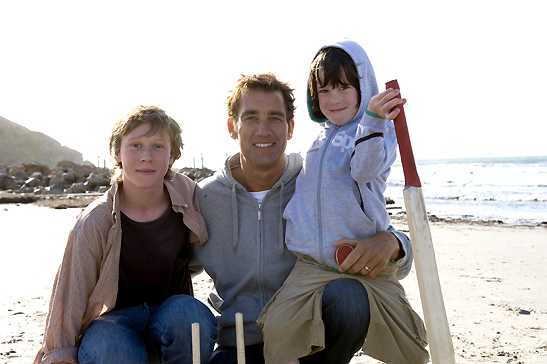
(145,158)
(262,129)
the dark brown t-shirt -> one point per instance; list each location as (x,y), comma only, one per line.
(153,260)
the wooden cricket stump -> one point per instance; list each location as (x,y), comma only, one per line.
(196,356)
(240,339)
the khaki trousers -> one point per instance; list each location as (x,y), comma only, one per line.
(293,328)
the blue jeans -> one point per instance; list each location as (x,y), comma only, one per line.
(149,333)
(346,315)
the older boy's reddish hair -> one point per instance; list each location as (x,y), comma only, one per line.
(159,121)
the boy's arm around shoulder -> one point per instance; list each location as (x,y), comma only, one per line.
(184,197)
(195,265)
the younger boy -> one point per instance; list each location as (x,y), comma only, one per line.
(123,291)
(339,194)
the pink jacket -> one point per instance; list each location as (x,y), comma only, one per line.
(86,284)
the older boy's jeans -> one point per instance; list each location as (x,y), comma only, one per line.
(346,315)
(150,333)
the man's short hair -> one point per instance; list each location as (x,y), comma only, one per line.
(159,121)
(261,82)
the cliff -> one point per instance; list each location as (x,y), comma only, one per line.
(21,145)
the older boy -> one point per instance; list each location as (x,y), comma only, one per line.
(123,291)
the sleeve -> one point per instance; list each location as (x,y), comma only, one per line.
(375,148)
(195,265)
(75,281)
(193,218)
(405,263)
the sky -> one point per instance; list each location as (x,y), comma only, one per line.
(473,72)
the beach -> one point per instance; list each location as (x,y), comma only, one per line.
(491,274)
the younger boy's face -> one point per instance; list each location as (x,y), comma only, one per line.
(145,158)
(339,104)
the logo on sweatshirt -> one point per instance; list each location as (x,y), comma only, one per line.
(343,141)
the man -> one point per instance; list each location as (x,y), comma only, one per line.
(245,255)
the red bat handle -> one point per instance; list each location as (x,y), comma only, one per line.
(403,139)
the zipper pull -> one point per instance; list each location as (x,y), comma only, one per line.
(259,211)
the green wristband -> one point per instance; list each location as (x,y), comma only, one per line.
(373,114)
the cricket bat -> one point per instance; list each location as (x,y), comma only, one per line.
(438,332)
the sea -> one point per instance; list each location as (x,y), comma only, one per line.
(511,189)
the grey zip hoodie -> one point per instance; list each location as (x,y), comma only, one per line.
(245,255)
(340,191)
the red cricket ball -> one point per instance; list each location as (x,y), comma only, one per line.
(342,253)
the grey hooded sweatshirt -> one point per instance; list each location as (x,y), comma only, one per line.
(340,191)
(245,255)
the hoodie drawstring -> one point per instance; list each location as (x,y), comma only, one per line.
(281,234)
(235,223)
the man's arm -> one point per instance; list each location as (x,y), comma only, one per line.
(376,251)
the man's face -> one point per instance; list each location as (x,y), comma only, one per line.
(262,129)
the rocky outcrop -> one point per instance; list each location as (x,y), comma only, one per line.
(66,178)
(21,145)
(196,174)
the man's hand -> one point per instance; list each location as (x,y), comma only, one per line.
(383,104)
(370,255)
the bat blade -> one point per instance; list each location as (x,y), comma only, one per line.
(438,331)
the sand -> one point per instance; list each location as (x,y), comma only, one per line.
(491,274)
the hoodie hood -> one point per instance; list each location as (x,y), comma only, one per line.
(293,164)
(367,79)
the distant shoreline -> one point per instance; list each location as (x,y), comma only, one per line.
(81,200)
(520,159)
